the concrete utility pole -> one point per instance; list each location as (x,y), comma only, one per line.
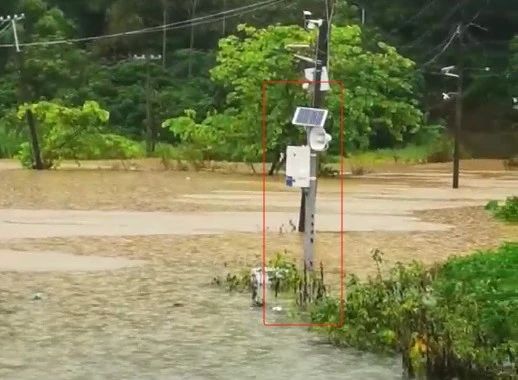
(308,194)
(458,104)
(318,98)
(311,193)
(150,130)
(459,94)
(23,96)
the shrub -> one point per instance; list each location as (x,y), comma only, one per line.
(74,133)
(441,150)
(458,320)
(508,211)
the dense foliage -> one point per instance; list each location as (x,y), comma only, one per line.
(73,133)
(385,89)
(457,320)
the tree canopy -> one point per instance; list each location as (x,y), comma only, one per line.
(212,66)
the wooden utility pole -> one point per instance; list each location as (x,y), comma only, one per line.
(37,162)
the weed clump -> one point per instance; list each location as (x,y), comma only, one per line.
(508,211)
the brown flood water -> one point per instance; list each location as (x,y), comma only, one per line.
(151,313)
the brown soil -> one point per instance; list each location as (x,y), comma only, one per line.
(149,191)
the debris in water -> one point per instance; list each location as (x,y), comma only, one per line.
(37,296)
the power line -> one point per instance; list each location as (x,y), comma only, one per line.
(176,25)
(458,33)
(434,27)
(505,74)
(415,16)
(5,29)
(444,48)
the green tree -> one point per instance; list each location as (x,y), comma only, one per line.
(48,71)
(380,86)
(74,133)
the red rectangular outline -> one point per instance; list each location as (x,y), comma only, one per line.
(264,174)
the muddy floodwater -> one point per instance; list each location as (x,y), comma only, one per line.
(107,274)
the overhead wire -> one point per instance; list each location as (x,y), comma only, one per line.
(459,30)
(197,21)
(415,16)
(430,30)
(444,48)
(5,29)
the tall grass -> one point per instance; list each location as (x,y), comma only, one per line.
(438,150)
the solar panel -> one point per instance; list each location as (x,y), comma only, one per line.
(309,117)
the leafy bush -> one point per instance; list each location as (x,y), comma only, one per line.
(507,211)
(106,146)
(427,133)
(441,150)
(212,139)
(460,319)
(74,133)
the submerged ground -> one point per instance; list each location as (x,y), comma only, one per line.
(108,272)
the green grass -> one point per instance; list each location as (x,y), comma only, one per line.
(437,150)
(411,154)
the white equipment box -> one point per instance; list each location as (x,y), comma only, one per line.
(297,166)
